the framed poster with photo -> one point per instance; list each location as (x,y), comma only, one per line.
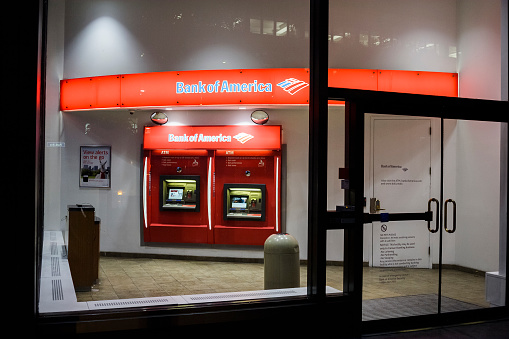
(95,166)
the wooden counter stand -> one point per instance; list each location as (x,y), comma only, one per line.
(83,246)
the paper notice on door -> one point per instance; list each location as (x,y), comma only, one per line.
(397,245)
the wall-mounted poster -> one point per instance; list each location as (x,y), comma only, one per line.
(95,166)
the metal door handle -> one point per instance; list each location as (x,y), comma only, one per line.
(438,213)
(374,206)
(453,216)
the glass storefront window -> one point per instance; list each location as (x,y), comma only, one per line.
(130,221)
(151,225)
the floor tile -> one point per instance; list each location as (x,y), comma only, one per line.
(125,278)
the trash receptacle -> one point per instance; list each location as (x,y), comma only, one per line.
(281,262)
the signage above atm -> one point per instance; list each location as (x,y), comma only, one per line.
(256,87)
(213,137)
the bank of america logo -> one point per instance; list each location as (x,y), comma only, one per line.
(243,137)
(292,85)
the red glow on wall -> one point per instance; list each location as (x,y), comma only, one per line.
(281,86)
(427,83)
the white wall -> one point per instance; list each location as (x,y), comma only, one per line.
(481,72)
(54,121)
(479,49)
(99,37)
(133,36)
(393,34)
(478,193)
(129,36)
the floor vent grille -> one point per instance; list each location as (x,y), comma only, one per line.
(123,303)
(246,295)
(55,267)
(56,289)
(54,248)
(241,295)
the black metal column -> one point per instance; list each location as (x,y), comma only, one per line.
(318,116)
(354,196)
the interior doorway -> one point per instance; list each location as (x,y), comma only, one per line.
(401,183)
(419,267)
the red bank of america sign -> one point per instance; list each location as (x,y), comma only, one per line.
(279,86)
(213,137)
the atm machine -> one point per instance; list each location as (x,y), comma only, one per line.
(249,185)
(174,196)
(211,184)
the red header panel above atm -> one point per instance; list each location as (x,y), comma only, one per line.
(212,137)
(259,87)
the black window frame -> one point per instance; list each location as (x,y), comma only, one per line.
(337,312)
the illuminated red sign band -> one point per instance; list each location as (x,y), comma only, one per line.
(212,137)
(278,86)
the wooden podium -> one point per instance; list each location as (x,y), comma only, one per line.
(83,246)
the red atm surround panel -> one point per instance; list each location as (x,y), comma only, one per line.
(179,225)
(216,155)
(240,169)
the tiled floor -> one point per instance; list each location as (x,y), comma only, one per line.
(393,282)
(124,278)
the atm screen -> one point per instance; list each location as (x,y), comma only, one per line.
(175,193)
(244,201)
(239,202)
(179,192)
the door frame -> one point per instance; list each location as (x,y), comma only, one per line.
(358,103)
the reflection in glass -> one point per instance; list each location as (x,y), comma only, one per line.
(281,28)
(268,27)
(255,26)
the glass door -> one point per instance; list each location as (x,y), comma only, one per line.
(400,280)
(471,225)
(448,260)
